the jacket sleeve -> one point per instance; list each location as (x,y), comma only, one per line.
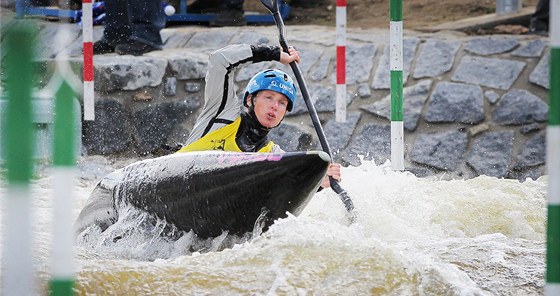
(221,105)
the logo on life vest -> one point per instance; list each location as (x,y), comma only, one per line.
(219,144)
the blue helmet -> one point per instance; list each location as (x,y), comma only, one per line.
(272,79)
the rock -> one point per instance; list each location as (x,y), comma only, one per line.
(250,37)
(532,49)
(359,63)
(193,87)
(155,123)
(443,151)
(525,129)
(289,137)
(210,40)
(419,172)
(247,71)
(323,98)
(414,98)
(491,152)
(491,96)
(321,70)
(533,173)
(177,138)
(339,133)
(491,45)
(363,90)
(436,58)
(175,38)
(312,55)
(491,72)
(455,102)
(373,142)
(540,75)
(109,133)
(533,153)
(128,72)
(170,87)
(184,63)
(519,106)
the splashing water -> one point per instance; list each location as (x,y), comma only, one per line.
(413,236)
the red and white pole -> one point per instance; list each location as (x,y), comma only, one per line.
(87,35)
(340,61)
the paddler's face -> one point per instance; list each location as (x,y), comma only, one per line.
(270,107)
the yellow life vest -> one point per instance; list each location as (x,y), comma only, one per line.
(222,139)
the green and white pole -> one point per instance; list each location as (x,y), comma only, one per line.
(553,157)
(18,273)
(64,176)
(64,172)
(396,65)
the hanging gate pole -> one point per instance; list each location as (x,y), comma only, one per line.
(18,146)
(553,157)
(340,114)
(396,67)
(87,35)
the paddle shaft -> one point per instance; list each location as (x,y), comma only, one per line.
(272,6)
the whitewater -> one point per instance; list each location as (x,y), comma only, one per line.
(412,236)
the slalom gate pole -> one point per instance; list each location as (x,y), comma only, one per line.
(64,176)
(87,35)
(552,286)
(18,146)
(340,114)
(63,172)
(396,66)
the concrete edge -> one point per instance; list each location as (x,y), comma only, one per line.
(484,21)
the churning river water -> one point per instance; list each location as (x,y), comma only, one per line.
(413,236)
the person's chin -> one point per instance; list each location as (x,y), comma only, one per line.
(271,124)
(268,123)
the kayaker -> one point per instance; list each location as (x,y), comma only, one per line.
(269,95)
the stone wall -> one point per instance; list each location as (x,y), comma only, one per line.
(472,104)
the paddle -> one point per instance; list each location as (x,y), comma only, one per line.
(273,7)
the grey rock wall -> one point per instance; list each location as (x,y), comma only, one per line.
(472,104)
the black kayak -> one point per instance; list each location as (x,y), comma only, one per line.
(209,192)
